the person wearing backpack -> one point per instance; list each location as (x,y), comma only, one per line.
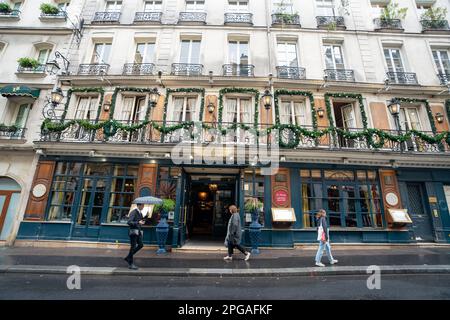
(323,236)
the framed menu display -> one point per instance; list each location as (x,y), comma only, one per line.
(283,215)
(400,216)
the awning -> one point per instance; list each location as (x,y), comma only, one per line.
(19,91)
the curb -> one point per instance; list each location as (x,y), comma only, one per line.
(200,272)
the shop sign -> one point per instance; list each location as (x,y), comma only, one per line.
(280,197)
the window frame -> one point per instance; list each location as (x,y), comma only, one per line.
(341,52)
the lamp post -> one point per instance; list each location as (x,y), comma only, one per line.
(394,109)
(154,97)
(267,101)
(53,65)
(56,97)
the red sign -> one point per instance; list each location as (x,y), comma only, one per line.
(281,197)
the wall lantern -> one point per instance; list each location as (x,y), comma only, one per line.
(106,106)
(320,112)
(394,106)
(57,96)
(210,106)
(154,97)
(439,117)
(267,99)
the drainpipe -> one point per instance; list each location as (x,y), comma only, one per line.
(269,47)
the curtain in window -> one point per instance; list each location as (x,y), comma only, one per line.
(229,112)
(247,112)
(285,112)
(191,110)
(177,115)
(127,109)
(300,113)
(349,117)
(81,111)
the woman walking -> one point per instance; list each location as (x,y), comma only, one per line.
(233,239)
(323,236)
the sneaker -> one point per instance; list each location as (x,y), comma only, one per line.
(228,258)
(133,267)
(333,261)
(320,264)
(247,256)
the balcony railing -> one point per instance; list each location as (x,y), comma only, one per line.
(93,69)
(148,17)
(13,14)
(38,69)
(192,17)
(286,19)
(402,78)
(138,68)
(340,75)
(435,25)
(106,17)
(388,24)
(57,16)
(330,21)
(238,18)
(285,72)
(444,78)
(11,132)
(213,132)
(238,70)
(187,69)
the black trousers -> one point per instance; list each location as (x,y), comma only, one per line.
(136,245)
(231,247)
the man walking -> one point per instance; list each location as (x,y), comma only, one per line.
(135,221)
(233,239)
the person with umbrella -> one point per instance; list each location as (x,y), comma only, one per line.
(135,221)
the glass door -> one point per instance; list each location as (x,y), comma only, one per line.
(342,204)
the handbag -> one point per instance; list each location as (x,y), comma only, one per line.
(320,233)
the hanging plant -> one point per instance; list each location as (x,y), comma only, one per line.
(5,7)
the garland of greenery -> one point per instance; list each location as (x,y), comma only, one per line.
(295,93)
(99,90)
(225,91)
(129,89)
(185,90)
(358,97)
(427,107)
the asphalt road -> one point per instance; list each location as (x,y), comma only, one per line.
(35,286)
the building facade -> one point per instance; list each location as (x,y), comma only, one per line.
(358,121)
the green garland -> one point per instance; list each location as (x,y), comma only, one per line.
(295,93)
(99,90)
(427,107)
(356,96)
(225,91)
(185,90)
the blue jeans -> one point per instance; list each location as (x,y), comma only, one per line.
(326,246)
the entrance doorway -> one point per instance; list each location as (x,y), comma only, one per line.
(421,227)
(345,118)
(9,202)
(207,200)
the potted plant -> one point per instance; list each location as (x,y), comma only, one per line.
(6,128)
(392,11)
(49,9)
(28,63)
(167,206)
(435,18)
(5,7)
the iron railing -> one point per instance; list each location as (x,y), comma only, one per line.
(402,78)
(238,70)
(59,15)
(328,21)
(440,25)
(138,68)
(187,69)
(93,69)
(285,72)
(391,24)
(444,78)
(11,14)
(106,17)
(239,18)
(340,75)
(192,17)
(9,132)
(230,132)
(286,19)
(38,69)
(148,17)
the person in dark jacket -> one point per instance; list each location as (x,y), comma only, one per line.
(233,238)
(324,243)
(135,221)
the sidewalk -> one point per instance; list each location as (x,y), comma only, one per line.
(270,262)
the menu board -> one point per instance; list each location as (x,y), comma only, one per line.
(400,215)
(283,215)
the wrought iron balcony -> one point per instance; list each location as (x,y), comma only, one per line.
(138,68)
(106,17)
(61,15)
(93,69)
(239,18)
(11,132)
(444,78)
(13,14)
(187,69)
(192,17)
(230,132)
(285,19)
(435,25)
(238,70)
(38,69)
(148,17)
(340,75)
(330,21)
(388,24)
(402,78)
(285,72)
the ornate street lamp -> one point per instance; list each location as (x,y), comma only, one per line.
(210,107)
(267,99)
(394,109)
(154,97)
(53,65)
(57,96)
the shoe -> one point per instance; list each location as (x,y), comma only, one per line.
(320,264)
(228,258)
(334,261)
(126,259)
(247,256)
(133,267)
